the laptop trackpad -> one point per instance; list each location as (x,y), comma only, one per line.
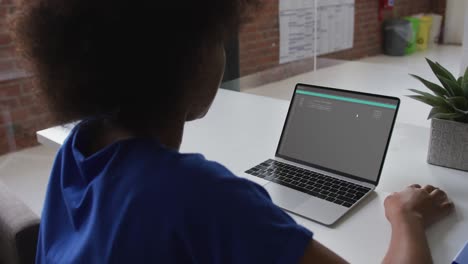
(284,197)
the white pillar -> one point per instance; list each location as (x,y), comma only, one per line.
(454,19)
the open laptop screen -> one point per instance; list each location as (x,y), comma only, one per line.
(340,131)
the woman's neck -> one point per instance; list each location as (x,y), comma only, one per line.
(169,135)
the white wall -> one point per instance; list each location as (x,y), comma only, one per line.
(454,21)
(464,63)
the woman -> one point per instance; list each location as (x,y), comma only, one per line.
(120,191)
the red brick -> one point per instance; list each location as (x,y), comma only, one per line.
(4,11)
(20,114)
(28,88)
(247,37)
(3,132)
(27,100)
(7,65)
(249,28)
(7,53)
(26,142)
(5,39)
(36,110)
(7,2)
(3,148)
(44,121)
(10,90)
(9,103)
(4,120)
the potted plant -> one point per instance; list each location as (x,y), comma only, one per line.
(448,145)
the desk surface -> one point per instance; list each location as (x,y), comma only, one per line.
(242,130)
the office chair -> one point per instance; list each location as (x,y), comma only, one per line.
(19,228)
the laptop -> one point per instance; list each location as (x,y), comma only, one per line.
(331,152)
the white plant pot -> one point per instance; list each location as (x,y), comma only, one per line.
(448,145)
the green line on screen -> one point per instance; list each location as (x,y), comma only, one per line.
(346,99)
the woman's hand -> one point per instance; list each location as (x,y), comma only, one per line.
(425,205)
(409,211)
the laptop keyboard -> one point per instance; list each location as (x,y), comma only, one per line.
(318,185)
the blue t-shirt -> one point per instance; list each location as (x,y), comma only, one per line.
(136,201)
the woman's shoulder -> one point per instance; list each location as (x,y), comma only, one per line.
(196,176)
(198,164)
(211,182)
(192,173)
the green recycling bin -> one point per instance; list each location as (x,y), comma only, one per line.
(412,44)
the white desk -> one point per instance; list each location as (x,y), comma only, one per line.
(241,130)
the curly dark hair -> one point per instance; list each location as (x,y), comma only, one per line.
(122,59)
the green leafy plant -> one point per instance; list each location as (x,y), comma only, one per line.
(449,100)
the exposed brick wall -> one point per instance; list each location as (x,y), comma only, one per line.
(259,39)
(22,112)
(7,55)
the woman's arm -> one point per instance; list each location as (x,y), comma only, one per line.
(408,212)
(317,253)
(408,244)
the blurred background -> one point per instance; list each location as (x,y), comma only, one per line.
(337,43)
